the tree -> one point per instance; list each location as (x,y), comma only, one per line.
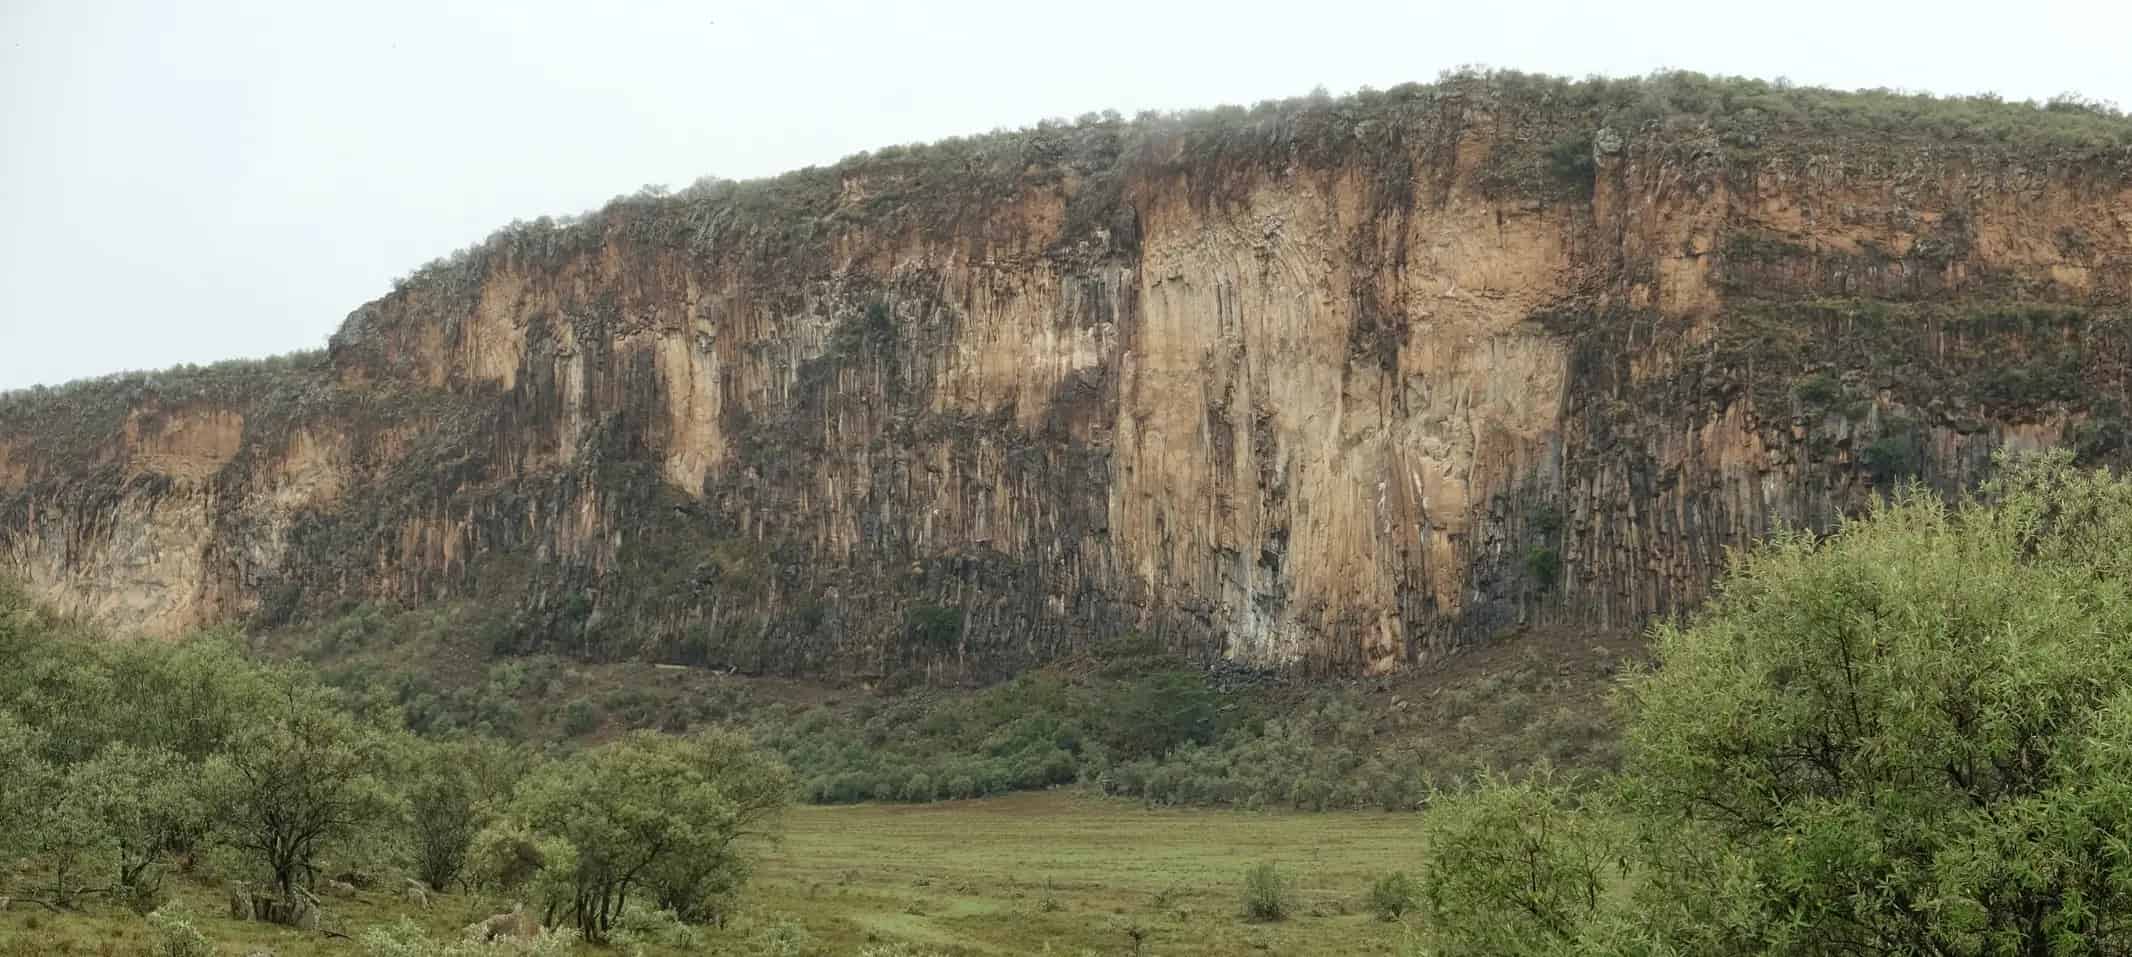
(40,816)
(145,803)
(757,788)
(1900,725)
(191,698)
(300,778)
(1909,736)
(446,806)
(24,784)
(647,812)
(1516,868)
(1160,712)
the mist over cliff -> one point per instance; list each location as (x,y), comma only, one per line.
(1340,384)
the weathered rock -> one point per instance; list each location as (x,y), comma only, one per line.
(1319,394)
(241,904)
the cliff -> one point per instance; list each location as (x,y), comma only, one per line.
(1340,384)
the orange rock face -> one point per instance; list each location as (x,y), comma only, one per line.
(1344,400)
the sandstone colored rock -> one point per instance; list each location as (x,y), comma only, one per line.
(1341,387)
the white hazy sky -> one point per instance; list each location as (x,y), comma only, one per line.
(186,182)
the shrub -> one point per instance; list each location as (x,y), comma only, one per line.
(405,939)
(934,626)
(1817,390)
(444,813)
(641,927)
(1906,737)
(1569,159)
(580,717)
(1513,868)
(1920,704)
(175,935)
(1544,565)
(1393,895)
(1267,896)
(781,939)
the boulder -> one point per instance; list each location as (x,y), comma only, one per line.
(241,905)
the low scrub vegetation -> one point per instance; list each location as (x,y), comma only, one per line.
(1128,723)
(1393,896)
(1267,895)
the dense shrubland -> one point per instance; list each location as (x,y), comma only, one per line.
(124,764)
(1127,722)
(1910,736)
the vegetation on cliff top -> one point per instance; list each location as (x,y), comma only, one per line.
(923,183)
(68,422)
(1551,129)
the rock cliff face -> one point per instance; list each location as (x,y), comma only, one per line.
(1335,384)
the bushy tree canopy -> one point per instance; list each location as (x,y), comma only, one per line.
(1910,736)
(650,814)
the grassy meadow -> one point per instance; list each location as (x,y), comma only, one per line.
(1055,872)
(1061,873)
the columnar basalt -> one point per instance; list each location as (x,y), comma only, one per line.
(1340,384)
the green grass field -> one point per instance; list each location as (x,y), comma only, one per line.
(1057,873)
(1043,873)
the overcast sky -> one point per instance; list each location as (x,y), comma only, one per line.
(186,182)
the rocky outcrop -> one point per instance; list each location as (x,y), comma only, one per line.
(1335,384)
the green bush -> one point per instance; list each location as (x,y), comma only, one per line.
(406,939)
(1892,458)
(1570,160)
(175,935)
(781,939)
(652,813)
(1267,895)
(933,626)
(640,927)
(1393,895)
(1544,565)
(1514,868)
(580,718)
(1817,391)
(1906,737)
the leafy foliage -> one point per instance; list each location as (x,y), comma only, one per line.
(1268,895)
(1393,895)
(177,936)
(445,809)
(1515,869)
(647,812)
(126,758)
(1907,737)
(301,781)
(405,939)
